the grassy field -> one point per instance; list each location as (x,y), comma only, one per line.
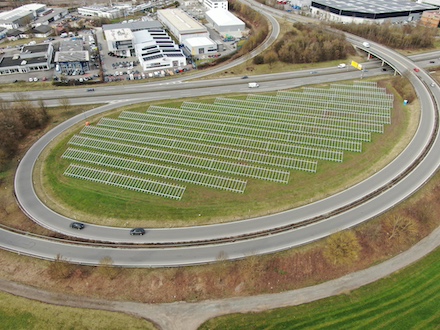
(108,205)
(408,299)
(19,313)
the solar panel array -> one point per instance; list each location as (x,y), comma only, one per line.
(222,144)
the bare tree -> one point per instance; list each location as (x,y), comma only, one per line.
(64,102)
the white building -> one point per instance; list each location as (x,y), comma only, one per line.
(200,46)
(120,41)
(156,50)
(31,58)
(224,22)
(214,4)
(100,11)
(21,16)
(181,25)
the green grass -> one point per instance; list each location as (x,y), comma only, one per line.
(408,299)
(18,313)
(103,204)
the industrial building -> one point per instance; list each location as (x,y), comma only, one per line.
(156,50)
(72,59)
(21,16)
(120,42)
(31,58)
(181,25)
(224,22)
(101,11)
(369,11)
(200,46)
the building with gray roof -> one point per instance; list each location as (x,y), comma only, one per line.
(368,11)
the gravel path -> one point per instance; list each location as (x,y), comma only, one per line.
(188,316)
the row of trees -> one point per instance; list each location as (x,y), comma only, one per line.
(17,119)
(307,44)
(394,36)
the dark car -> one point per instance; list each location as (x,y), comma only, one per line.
(244,77)
(77,225)
(90,89)
(431,61)
(384,69)
(137,231)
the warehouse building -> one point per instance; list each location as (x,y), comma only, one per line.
(224,22)
(181,25)
(200,46)
(369,11)
(21,16)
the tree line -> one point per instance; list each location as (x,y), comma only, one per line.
(395,36)
(307,43)
(17,119)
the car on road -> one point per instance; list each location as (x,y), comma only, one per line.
(77,225)
(416,69)
(384,69)
(313,72)
(90,89)
(432,85)
(137,231)
(244,77)
(431,61)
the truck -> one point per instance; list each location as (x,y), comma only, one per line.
(253,85)
(366,44)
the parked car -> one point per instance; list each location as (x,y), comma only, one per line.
(77,225)
(137,231)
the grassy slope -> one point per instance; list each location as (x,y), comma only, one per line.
(406,300)
(19,313)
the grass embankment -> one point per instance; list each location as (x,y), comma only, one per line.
(19,313)
(112,206)
(408,299)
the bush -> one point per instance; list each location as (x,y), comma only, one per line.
(342,248)
(60,268)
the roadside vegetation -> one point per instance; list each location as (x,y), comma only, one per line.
(404,37)
(305,43)
(405,300)
(17,119)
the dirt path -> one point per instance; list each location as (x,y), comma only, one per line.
(188,316)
